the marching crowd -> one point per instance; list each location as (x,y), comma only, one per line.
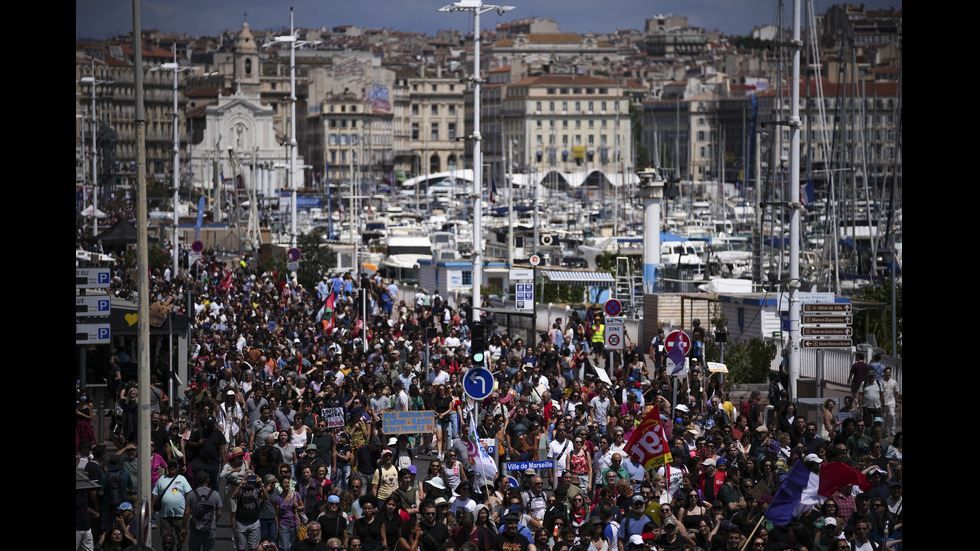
(251,439)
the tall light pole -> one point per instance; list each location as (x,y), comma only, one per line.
(95,151)
(293,43)
(176,69)
(794,204)
(291,39)
(477,7)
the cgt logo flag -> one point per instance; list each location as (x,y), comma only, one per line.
(647,444)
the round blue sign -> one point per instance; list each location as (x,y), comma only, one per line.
(478,383)
(613,307)
(292,255)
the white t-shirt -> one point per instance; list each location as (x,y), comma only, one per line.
(558,451)
(440,379)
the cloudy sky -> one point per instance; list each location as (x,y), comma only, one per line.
(105,18)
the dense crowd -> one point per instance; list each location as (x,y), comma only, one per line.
(256,437)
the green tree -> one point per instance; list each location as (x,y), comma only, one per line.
(157,258)
(316,258)
(877,322)
(748,361)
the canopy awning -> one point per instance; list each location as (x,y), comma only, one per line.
(581,278)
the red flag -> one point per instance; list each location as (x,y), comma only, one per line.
(647,444)
(834,476)
(226,284)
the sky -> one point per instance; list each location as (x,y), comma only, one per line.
(99,19)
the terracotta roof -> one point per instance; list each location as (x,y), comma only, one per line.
(871,88)
(203,92)
(567,80)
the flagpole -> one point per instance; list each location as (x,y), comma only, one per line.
(748,539)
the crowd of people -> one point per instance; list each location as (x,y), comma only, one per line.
(252,437)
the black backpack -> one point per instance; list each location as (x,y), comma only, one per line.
(202,515)
(115,495)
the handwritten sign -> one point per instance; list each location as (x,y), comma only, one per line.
(408,422)
(335,417)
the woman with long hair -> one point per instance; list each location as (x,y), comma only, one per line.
(580,464)
(693,511)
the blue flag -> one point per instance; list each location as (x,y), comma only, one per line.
(676,355)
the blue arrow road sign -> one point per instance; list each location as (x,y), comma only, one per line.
(478,383)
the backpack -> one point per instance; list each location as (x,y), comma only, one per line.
(202,515)
(115,495)
(746,409)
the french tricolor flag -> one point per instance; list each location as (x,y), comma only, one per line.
(804,489)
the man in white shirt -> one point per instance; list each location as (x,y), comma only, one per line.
(401,400)
(890,395)
(558,450)
(599,408)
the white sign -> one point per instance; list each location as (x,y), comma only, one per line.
(603,376)
(92,333)
(535,260)
(715,367)
(92,306)
(614,336)
(92,278)
(524,296)
(521,273)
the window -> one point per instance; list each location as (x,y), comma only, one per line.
(415,130)
(564,124)
(435,109)
(578,106)
(540,139)
(564,107)
(551,106)
(467,277)
(537,107)
(452,108)
(435,131)
(415,109)
(452,131)
(590,105)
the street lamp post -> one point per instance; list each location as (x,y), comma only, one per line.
(477,7)
(95,151)
(176,69)
(293,43)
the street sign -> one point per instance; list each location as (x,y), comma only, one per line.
(92,306)
(92,278)
(525,465)
(478,383)
(292,255)
(824,307)
(825,343)
(811,319)
(818,332)
(685,341)
(612,320)
(197,246)
(92,333)
(521,273)
(535,260)
(524,296)
(613,307)
(614,336)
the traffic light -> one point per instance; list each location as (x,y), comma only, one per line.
(478,342)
